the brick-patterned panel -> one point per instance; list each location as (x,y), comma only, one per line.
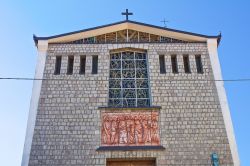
(67,130)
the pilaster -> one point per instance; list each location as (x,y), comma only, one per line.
(213,54)
(42,47)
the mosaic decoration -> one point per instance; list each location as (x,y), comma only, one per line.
(130,129)
(128,83)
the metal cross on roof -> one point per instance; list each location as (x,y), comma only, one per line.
(127,14)
(164,22)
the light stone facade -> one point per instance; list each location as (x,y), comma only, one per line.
(68,122)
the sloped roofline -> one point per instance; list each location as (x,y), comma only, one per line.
(36,38)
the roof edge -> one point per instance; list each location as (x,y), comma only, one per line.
(36,38)
(219,39)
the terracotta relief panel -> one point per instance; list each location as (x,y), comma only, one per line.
(130,129)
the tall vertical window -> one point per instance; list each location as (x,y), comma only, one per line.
(186,64)
(70,65)
(82,64)
(199,66)
(162,64)
(94,64)
(128,83)
(58,64)
(174,63)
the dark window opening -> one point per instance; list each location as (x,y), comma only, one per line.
(58,65)
(162,64)
(82,64)
(174,64)
(94,64)
(70,65)
(186,64)
(198,64)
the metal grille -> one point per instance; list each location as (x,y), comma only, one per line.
(128,83)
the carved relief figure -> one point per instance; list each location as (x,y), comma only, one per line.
(122,130)
(155,135)
(134,128)
(146,123)
(106,130)
(138,129)
(130,129)
(114,132)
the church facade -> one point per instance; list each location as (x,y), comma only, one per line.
(129,93)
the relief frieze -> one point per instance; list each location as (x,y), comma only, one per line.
(130,129)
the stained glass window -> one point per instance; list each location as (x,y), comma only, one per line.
(89,40)
(128,83)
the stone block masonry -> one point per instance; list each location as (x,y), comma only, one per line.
(68,122)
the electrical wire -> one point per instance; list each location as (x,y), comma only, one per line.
(62,79)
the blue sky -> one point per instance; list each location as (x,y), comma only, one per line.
(19,20)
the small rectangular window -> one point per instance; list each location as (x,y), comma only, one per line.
(94,64)
(70,64)
(162,64)
(174,64)
(186,64)
(82,64)
(198,64)
(58,65)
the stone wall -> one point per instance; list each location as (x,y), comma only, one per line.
(67,130)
